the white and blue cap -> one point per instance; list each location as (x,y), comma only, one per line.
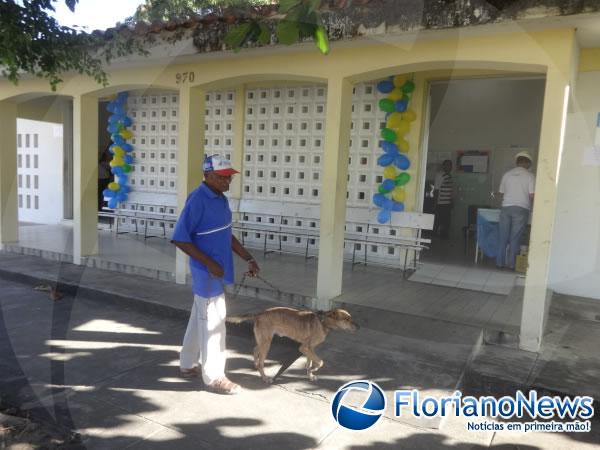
(219,165)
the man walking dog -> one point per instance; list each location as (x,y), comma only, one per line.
(203,232)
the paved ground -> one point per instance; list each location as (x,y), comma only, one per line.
(109,371)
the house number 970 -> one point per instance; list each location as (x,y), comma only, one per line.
(183,77)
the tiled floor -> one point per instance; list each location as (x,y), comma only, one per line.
(464,277)
(451,263)
(438,290)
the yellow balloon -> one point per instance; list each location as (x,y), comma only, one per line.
(394,120)
(396,94)
(389,172)
(409,115)
(116,162)
(399,80)
(126,134)
(402,128)
(399,194)
(113,186)
(118,151)
(402,144)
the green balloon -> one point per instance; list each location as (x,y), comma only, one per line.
(382,190)
(408,87)
(402,179)
(126,168)
(120,127)
(388,134)
(387,105)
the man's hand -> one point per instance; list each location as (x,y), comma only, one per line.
(215,269)
(253,268)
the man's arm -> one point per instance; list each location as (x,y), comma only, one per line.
(193,252)
(238,248)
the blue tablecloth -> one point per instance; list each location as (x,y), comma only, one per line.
(487,231)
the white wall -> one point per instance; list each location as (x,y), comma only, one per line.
(40,153)
(575,260)
(502,116)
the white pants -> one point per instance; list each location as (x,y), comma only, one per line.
(204,341)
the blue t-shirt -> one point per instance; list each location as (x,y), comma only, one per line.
(206,222)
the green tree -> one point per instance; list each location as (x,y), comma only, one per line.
(256,20)
(33,42)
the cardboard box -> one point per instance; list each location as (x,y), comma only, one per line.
(521,264)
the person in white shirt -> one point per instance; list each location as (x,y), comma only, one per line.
(517,189)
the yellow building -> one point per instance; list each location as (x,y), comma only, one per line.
(560,51)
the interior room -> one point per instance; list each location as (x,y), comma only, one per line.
(479,125)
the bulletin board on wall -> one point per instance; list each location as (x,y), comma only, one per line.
(472,161)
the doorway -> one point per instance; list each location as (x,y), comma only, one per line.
(475,129)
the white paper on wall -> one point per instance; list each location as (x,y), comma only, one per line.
(591,156)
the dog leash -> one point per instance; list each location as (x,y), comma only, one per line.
(241,284)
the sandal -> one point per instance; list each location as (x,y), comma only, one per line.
(190,373)
(224,386)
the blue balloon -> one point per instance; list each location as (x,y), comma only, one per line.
(113,203)
(385,160)
(388,184)
(385,86)
(108,193)
(113,119)
(121,197)
(127,121)
(397,206)
(128,159)
(125,189)
(389,147)
(117,170)
(402,162)
(123,179)
(384,216)
(112,128)
(110,107)
(388,204)
(401,105)
(127,147)
(122,96)
(117,139)
(379,199)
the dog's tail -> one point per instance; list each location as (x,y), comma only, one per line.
(240,319)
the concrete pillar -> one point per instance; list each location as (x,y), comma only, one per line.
(85,177)
(333,191)
(190,154)
(9,229)
(537,297)
(239,124)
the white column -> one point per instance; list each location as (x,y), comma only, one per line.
(190,154)
(536,301)
(333,191)
(239,124)
(9,229)
(85,177)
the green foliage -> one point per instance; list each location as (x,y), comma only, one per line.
(293,20)
(31,41)
(165,10)
(288,32)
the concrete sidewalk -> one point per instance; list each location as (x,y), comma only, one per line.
(104,361)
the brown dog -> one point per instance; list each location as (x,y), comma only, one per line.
(305,327)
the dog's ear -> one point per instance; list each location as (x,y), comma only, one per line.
(340,314)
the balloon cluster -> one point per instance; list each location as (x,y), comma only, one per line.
(122,159)
(391,193)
